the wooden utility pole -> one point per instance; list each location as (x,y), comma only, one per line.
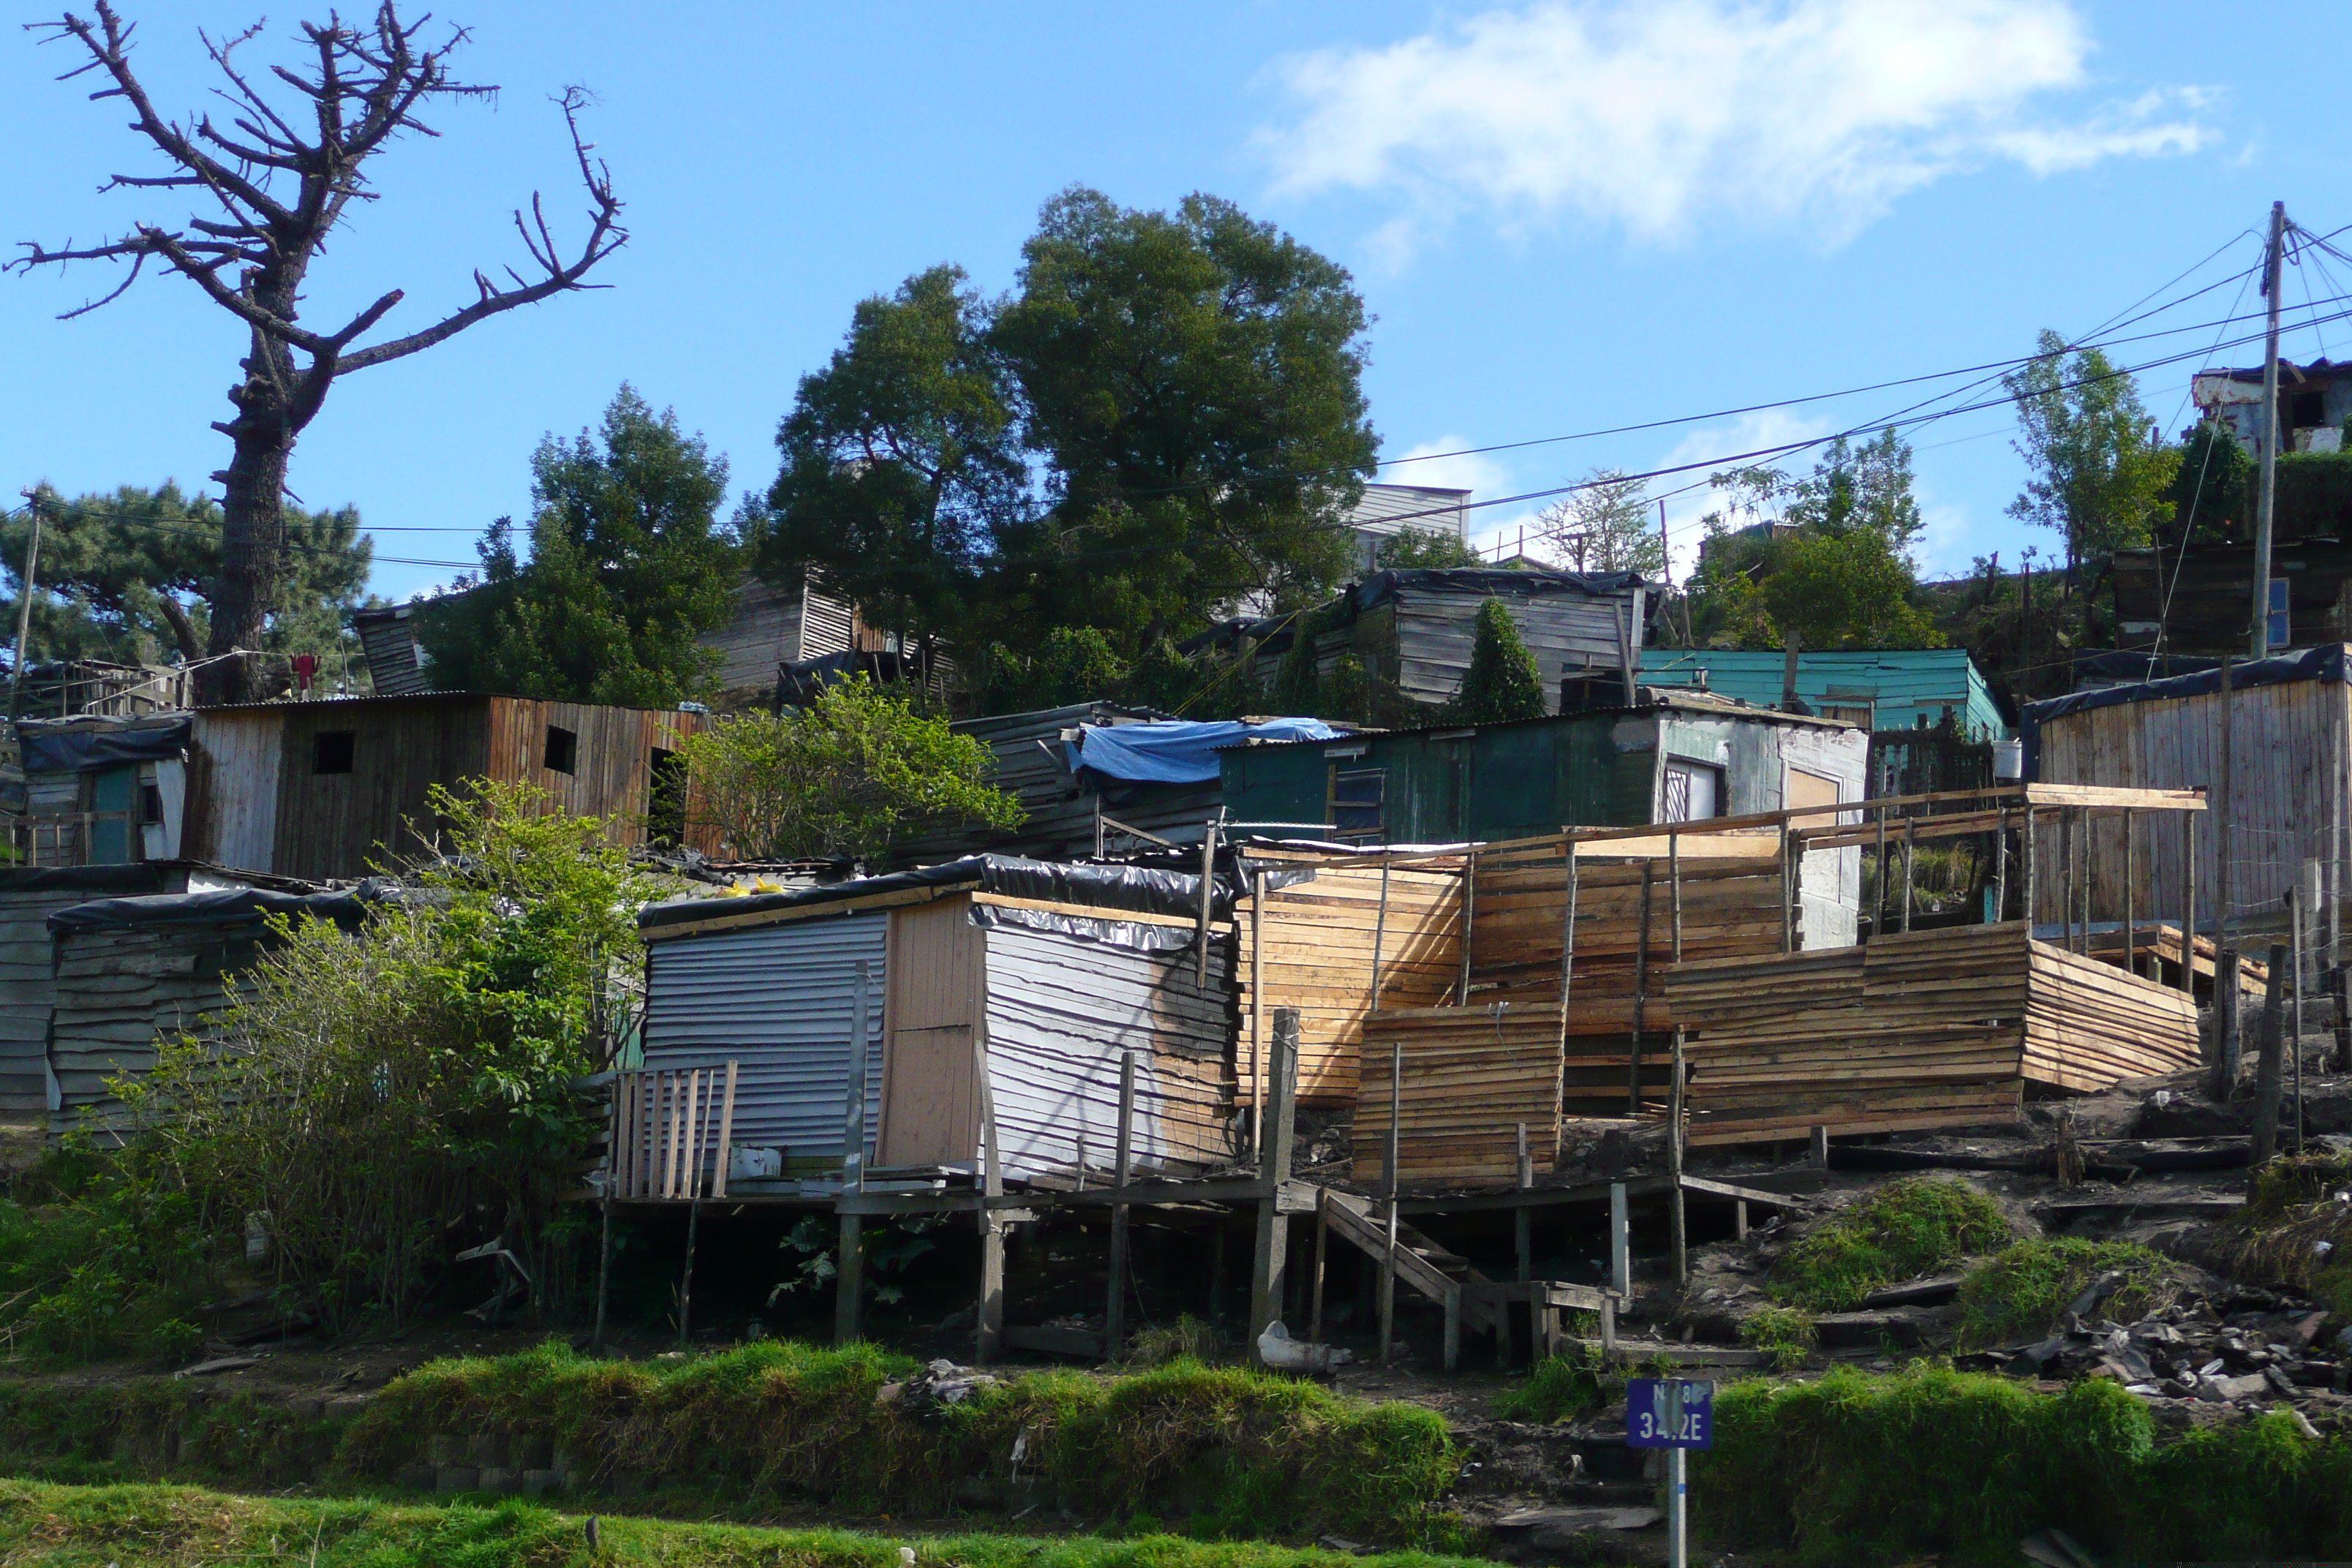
(2267,449)
(2225,871)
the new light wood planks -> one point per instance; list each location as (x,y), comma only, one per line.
(1924,1029)
(1471,1076)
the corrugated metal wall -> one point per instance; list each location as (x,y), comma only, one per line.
(778,999)
(1062,1008)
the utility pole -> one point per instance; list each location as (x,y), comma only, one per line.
(2260,640)
(25,613)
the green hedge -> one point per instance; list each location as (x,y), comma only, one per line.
(1854,1469)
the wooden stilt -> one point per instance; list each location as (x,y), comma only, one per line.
(2188,905)
(1269,1265)
(1122,1159)
(1678,1219)
(1389,1175)
(1641,999)
(1322,1248)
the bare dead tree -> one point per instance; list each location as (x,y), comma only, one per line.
(281,192)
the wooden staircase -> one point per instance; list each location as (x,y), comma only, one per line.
(1421,1264)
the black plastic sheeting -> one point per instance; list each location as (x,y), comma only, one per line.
(2325,662)
(1111,931)
(77,745)
(1143,888)
(1493,581)
(227,908)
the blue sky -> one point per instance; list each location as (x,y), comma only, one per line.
(1565,218)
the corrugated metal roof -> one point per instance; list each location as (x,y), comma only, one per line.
(1900,684)
(780,1000)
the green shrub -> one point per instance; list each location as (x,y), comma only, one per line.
(1786,1334)
(1901,1231)
(1251,1453)
(1560,1388)
(2020,1293)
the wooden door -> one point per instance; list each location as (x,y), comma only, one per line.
(930,1108)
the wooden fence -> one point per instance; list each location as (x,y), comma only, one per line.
(672,1129)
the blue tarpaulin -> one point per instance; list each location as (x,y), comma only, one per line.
(1173,752)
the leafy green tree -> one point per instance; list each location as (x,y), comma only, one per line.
(1410,547)
(1606,526)
(1826,557)
(128,575)
(2212,487)
(1192,385)
(901,460)
(840,777)
(2098,471)
(629,566)
(1502,682)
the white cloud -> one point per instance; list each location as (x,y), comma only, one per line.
(1460,468)
(1660,117)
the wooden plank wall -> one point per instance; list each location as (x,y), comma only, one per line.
(1938,1028)
(2288,757)
(1731,908)
(613,774)
(1317,945)
(116,990)
(236,756)
(1472,1075)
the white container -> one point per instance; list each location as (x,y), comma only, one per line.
(2008,760)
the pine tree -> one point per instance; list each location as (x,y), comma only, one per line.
(1503,682)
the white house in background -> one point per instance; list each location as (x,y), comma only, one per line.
(1386,511)
(2315,400)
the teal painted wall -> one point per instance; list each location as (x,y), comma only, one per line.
(1903,685)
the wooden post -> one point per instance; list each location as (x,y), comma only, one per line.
(1122,1157)
(1379,935)
(1469,914)
(726,1134)
(2083,848)
(2131,870)
(1522,1221)
(2266,1071)
(1322,1247)
(1821,1147)
(1208,892)
(1389,1177)
(2228,991)
(1269,1267)
(1999,864)
(1257,1012)
(1878,894)
(2305,891)
(2189,906)
(849,1278)
(1620,1242)
(1641,998)
(1910,841)
(1678,1220)
(2066,816)
(988,1337)
(2225,870)
(1567,943)
(2025,853)
(612,1168)
(1740,1220)
(1787,889)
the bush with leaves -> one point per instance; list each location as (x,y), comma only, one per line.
(377,1085)
(1503,682)
(840,777)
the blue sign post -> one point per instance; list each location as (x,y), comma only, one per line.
(1677,1414)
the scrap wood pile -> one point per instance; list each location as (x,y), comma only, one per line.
(1314,941)
(1731,908)
(1472,1077)
(1936,1028)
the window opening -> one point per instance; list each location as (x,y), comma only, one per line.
(332,750)
(563,755)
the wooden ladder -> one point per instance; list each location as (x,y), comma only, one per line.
(1421,1264)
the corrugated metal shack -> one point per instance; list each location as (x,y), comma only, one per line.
(327,789)
(2281,801)
(130,969)
(28,970)
(100,791)
(996,989)
(1888,689)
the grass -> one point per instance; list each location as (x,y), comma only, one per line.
(1786,1334)
(1903,1230)
(1856,1469)
(175,1527)
(2298,1229)
(2020,1293)
(1560,1388)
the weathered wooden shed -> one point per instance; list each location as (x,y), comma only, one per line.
(330,789)
(1413,630)
(2281,801)
(996,989)
(128,971)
